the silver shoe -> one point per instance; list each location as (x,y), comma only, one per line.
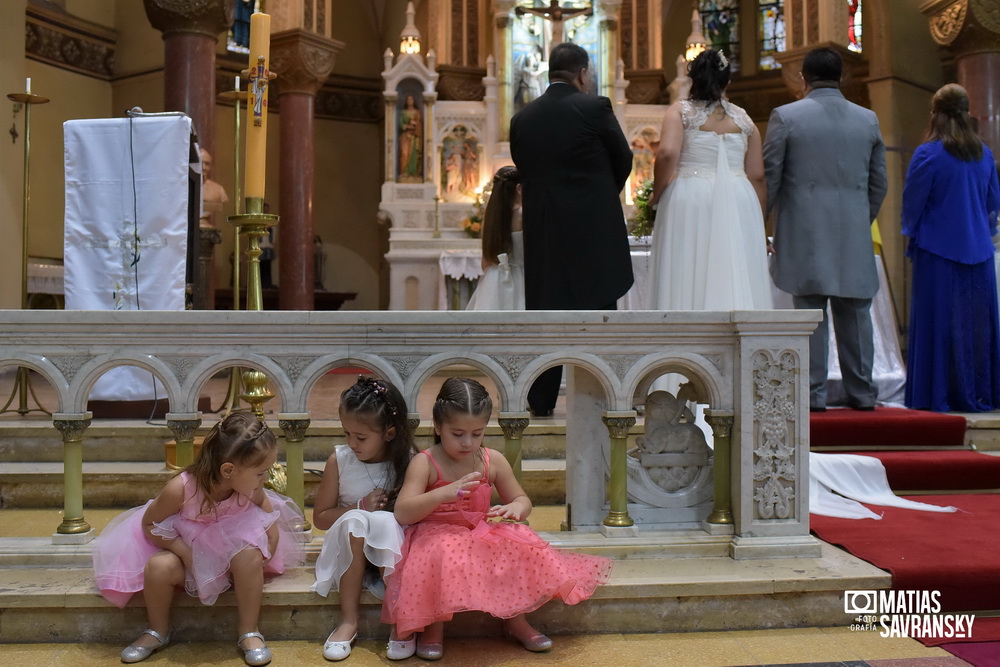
(254,656)
(135,653)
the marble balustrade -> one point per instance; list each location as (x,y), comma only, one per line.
(751,367)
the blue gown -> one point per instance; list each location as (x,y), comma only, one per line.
(950,214)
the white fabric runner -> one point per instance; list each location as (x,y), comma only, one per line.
(102,207)
(837,482)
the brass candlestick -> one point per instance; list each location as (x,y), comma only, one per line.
(22,380)
(254,224)
(232,400)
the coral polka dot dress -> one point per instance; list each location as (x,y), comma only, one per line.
(454,560)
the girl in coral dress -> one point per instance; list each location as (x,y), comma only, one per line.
(354,505)
(211,527)
(453,558)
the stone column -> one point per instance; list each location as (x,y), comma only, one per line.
(302,60)
(513,424)
(502,11)
(190,32)
(618,523)
(73,529)
(971,29)
(722,430)
(609,40)
(294,426)
(184,426)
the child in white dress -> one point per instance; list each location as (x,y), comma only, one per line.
(354,505)
(502,285)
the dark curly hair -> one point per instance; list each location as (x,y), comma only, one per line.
(497,221)
(709,73)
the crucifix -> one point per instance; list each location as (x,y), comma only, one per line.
(556,15)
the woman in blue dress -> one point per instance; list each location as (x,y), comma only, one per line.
(950,204)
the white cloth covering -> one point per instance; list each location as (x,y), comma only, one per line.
(126,178)
(839,483)
(381,532)
(502,285)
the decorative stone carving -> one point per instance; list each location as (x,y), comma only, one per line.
(205,17)
(183,429)
(987,13)
(71,429)
(774,452)
(302,60)
(405,364)
(646,86)
(294,429)
(513,427)
(513,363)
(947,23)
(671,464)
(461,83)
(69,365)
(59,39)
(181,365)
(621,362)
(294,366)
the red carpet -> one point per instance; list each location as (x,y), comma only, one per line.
(885,427)
(939,470)
(957,554)
(981,654)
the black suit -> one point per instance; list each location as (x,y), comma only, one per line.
(573,160)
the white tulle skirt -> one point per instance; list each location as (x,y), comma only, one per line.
(383,538)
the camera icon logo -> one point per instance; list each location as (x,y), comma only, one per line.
(860,602)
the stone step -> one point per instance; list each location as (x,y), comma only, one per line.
(47,594)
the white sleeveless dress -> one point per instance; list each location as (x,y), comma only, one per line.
(382,533)
(502,286)
(709,249)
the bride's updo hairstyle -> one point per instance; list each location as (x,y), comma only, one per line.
(951,124)
(709,73)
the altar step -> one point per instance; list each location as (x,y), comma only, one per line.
(47,594)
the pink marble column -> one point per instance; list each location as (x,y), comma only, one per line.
(302,60)
(979,73)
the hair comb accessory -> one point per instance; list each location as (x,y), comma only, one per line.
(723,61)
(379,389)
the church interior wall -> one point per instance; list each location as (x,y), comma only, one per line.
(98,11)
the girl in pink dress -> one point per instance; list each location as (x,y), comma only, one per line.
(354,506)
(211,527)
(453,558)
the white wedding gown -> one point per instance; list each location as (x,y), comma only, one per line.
(709,251)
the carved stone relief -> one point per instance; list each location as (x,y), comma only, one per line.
(946,24)
(774,473)
(405,364)
(513,363)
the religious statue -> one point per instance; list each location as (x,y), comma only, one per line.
(213,195)
(531,79)
(410,136)
(470,166)
(556,15)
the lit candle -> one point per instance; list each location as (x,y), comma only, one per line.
(256,138)
(27,85)
(237,82)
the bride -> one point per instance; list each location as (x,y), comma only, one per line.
(709,251)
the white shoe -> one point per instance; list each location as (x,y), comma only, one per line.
(401,649)
(337,651)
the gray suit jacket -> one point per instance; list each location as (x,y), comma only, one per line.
(825,165)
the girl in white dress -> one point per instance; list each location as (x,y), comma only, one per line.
(354,505)
(709,249)
(502,284)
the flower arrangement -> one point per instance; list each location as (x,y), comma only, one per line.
(473,224)
(642,221)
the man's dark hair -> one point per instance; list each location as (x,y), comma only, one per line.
(566,60)
(823,64)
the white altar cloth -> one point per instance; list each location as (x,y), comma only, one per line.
(125,241)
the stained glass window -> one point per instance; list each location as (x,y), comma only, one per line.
(720,19)
(771,29)
(854,25)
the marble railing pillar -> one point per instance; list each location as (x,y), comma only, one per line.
(190,32)
(294,425)
(722,430)
(302,60)
(73,529)
(618,424)
(513,424)
(184,426)
(971,29)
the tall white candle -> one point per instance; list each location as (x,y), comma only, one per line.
(27,85)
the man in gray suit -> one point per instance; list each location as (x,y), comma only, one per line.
(825,165)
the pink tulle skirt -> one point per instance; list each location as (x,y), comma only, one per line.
(121,551)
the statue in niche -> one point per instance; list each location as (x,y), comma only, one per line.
(555,15)
(644,145)
(459,164)
(673,451)
(410,138)
(470,166)
(213,195)
(531,72)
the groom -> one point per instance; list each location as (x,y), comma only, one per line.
(825,166)
(573,160)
